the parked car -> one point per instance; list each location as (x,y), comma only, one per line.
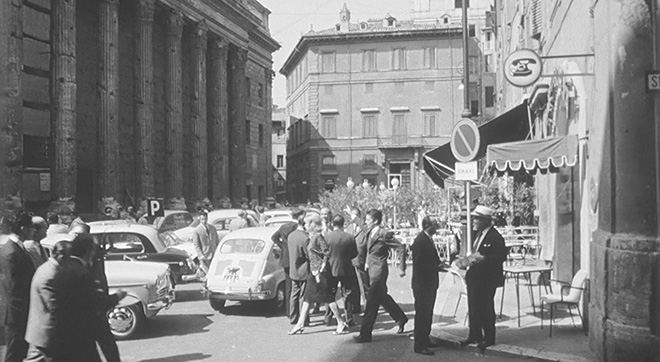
(279,220)
(143,243)
(173,220)
(148,286)
(246,267)
(277,212)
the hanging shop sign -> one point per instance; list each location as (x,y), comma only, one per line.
(523,67)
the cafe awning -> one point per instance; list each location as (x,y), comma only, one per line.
(513,125)
(544,155)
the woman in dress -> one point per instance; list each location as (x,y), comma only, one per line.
(317,290)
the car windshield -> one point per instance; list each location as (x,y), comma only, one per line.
(242,246)
(170,239)
(176,221)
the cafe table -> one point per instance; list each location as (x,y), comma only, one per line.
(518,270)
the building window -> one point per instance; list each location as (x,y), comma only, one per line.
(247,132)
(260,94)
(369,60)
(261,135)
(445,20)
(280,161)
(369,162)
(327,62)
(458,4)
(488,63)
(248,192)
(490,96)
(430,124)
(368,88)
(429,85)
(328,162)
(328,89)
(399,59)
(474,108)
(399,134)
(329,126)
(472,32)
(369,126)
(429,58)
(248,90)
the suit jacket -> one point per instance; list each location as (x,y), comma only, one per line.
(342,250)
(377,246)
(16,271)
(205,241)
(298,258)
(426,263)
(489,272)
(356,230)
(280,238)
(36,252)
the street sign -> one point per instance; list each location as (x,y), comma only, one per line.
(653,81)
(465,140)
(523,67)
(467,171)
(155,207)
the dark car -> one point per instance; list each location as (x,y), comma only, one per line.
(129,241)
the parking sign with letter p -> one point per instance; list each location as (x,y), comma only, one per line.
(155,207)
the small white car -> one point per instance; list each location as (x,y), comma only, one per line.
(246,267)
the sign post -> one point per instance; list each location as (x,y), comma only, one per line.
(465,143)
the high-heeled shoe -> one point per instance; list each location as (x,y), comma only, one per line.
(295,331)
(341,329)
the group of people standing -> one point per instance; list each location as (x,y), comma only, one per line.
(53,307)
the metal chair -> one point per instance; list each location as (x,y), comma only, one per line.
(570,295)
(457,277)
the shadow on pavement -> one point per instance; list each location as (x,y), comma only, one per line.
(251,309)
(180,358)
(174,325)
(188,295)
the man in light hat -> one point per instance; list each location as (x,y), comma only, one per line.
(484,275)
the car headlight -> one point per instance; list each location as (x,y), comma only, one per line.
(161,282)
(260,285)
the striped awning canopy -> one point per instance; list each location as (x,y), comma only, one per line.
(544,155)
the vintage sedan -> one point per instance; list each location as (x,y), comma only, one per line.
(143,243)
(148,288)
(173,220)
(246,267)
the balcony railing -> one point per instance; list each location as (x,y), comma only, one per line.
(399,141)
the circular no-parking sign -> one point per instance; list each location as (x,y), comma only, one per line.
(465,140)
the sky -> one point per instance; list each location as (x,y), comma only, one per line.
(289,19)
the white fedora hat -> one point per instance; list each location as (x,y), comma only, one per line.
(483,212)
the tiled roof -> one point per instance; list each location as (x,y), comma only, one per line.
(376,25)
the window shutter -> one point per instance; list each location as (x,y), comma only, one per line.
(537,19)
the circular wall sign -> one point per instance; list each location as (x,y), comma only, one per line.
(465,140)
(523,67)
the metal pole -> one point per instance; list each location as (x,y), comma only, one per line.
(466,59)
(468,201)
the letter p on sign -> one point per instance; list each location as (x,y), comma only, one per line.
(155,207)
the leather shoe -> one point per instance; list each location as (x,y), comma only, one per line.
(467,342)
(402,327)
(482,346)
(360,339)
(425,351)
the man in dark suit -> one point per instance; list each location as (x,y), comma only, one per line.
(298,265)
(16,271)
(342,251)
(280,239)
(205,240)
(361,280)
(484,275)
(378,243)
(426,265)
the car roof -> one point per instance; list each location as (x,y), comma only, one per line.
(228,213)
(147,230)
(259,232)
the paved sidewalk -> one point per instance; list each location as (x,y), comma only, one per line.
(567,344)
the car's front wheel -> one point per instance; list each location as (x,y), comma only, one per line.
(217,304)
(125,320)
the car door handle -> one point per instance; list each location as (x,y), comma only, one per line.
(141,257)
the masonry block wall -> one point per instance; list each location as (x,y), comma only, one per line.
(258,114)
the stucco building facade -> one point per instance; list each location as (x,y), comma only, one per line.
(134,99)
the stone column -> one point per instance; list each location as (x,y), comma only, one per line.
(218,146)
(237,115)
(173,111)
(199,184)
(11,101)
(107,91)
(624,264)
(63,98)
(143,99)
(268,130)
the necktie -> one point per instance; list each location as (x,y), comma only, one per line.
(476,241)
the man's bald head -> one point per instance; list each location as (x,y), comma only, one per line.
(40,226)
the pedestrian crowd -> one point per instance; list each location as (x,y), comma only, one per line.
(53,304)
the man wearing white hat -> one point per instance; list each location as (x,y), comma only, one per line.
(483,276)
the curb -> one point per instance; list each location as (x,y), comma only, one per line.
(452,341)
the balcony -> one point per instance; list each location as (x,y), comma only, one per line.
(402,141)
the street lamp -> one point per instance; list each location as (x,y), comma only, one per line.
(395,186)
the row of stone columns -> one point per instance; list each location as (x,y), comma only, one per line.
(209,154)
